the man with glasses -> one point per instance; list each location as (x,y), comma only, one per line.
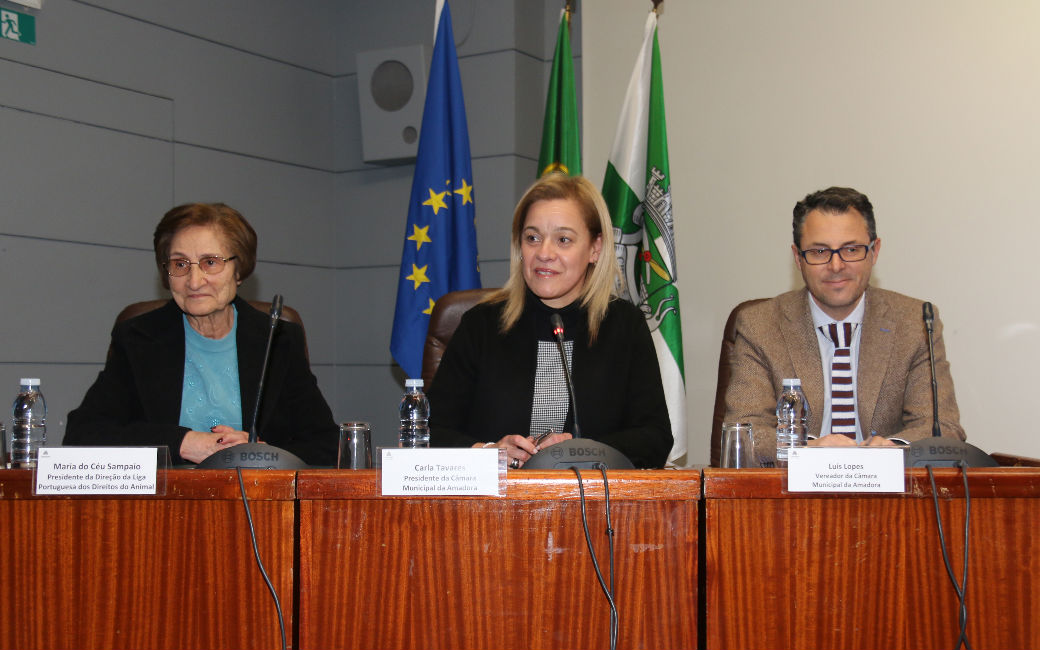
(860,352)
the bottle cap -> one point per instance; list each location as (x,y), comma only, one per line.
(413,383)
(29,381)
(792,382)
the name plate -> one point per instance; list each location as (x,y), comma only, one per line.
(97,470)
(439,472)
(846,469)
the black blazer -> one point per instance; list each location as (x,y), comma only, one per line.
(136,399)
(484,386)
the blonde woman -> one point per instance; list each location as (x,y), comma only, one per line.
(501,381)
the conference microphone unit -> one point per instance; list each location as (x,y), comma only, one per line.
(254,454)
(937,451)
(580,453)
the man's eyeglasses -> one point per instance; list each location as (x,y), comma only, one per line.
(208,264)
(850,253)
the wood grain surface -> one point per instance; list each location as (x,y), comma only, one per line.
(852,571)
(173,571)
(497,572)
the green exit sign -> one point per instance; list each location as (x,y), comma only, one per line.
(17,26)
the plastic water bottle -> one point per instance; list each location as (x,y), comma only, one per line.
(29,424)
(415,416)
(792,419)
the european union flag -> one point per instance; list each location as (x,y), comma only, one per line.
(440,245)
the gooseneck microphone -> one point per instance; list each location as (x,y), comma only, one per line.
(947,452)
(557,324)
(276,314)
(255,454)
(929,321)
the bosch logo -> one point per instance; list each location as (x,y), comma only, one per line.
(258,455)
(946,450)
(586,451)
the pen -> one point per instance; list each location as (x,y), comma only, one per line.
(542,437)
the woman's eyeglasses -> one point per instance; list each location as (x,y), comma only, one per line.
(208,264)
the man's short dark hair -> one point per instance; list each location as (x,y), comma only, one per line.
(833,200)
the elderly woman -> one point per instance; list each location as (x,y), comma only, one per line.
(501,379)
(186,375)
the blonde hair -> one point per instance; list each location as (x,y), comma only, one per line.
(601,279)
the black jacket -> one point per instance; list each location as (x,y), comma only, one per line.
(484,386)
(136,399)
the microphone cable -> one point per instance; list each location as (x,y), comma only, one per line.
(961,588)
(259,562)
(607,591)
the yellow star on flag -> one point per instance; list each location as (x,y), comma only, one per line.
(420,236)
(418,275)
(429,310)
(436,201)
(466,192)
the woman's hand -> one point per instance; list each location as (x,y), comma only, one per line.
(520,449)
(198,445)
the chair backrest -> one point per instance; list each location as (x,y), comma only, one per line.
(729,337)
(447,312)
(289,314)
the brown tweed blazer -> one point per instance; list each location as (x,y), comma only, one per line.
(775,339)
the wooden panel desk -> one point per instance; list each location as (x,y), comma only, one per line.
(173,571)
(497,572)
(840,571)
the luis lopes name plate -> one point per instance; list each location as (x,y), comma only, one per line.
(846,469)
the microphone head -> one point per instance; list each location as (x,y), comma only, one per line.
(276,306)
(926,310)
(557,324)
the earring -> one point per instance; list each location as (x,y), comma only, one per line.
(521,258)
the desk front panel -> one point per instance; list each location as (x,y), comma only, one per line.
(174,571)
(497,572)
(851,571)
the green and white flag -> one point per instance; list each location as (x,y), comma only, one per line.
(637,189)
(561,147)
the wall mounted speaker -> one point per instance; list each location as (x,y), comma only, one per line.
(391,91)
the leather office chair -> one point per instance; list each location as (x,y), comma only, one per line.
(729,338)
(447,312)
(289,314)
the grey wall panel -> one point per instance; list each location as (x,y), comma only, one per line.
(40,91)
(233,101)
(301,33)
(366,298)
(71,181)
(78,292)
(346,133)
(505,103)
(373,212)
(498,182)
(291,208)
(224,97)
(494,274)
(368,25)
(308,290)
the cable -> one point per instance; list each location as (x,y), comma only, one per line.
(959,589)
(608,592)
(614,622)
(259,562)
